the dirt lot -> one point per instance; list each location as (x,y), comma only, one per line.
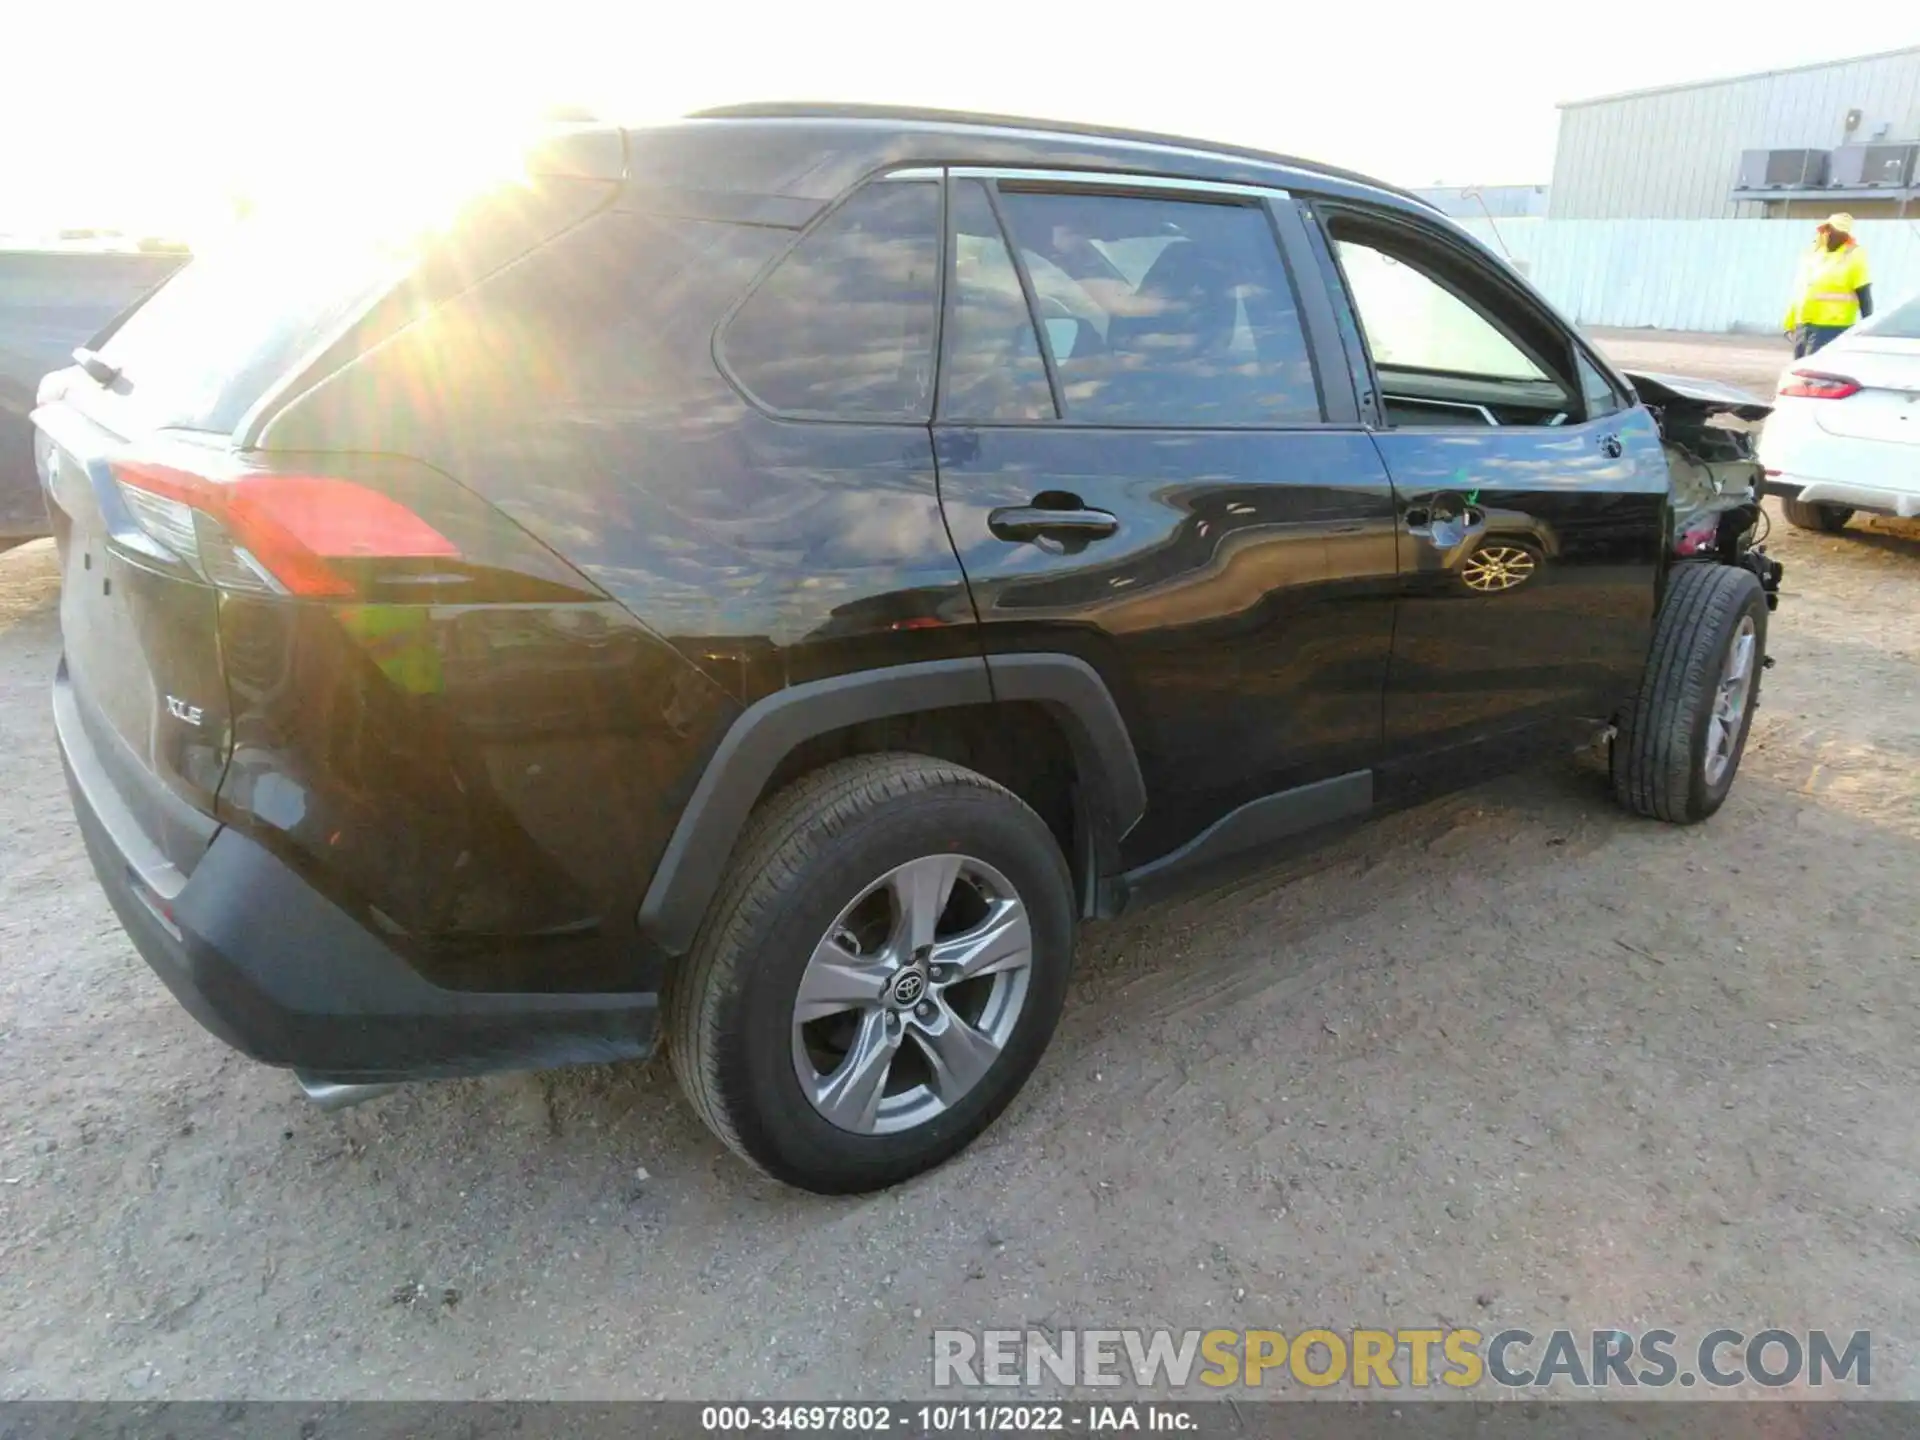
(1513,1058)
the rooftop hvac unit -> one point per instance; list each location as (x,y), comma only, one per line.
(1865,166)
(1783,169)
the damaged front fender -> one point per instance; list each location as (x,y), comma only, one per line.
(1708,431)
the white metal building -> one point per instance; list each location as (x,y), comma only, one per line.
(1478,202)
(1844,135)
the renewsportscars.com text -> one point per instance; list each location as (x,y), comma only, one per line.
(1415,1359)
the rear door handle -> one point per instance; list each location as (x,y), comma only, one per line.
(1030,522)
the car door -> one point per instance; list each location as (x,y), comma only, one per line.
(1531,495)
(1154,479)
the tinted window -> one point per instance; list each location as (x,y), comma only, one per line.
(993,365)
(1165,312)
(1597,392)
(844,325)
(221,332)
(236,321)
(614,318)
(1413,322)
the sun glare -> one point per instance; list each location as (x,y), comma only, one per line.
(389,188)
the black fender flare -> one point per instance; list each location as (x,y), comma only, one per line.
(766,732)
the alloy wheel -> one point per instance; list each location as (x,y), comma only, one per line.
(1730,699)
(912,994)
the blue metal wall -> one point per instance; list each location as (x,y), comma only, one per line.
(1688,274)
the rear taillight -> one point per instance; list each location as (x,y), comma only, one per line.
(329,526)
(1817,385)
(274,533)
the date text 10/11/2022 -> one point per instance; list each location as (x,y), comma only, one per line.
(979,1419)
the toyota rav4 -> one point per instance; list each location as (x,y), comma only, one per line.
(754,585)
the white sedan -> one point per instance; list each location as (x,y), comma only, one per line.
(1844,435)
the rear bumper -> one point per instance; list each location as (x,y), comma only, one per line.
(1874,499)
(278,971)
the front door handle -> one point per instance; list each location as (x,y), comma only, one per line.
(1031,522)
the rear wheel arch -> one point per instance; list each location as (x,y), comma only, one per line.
(1013,723)
(841,1107)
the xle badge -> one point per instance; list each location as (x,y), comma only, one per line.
(181,710)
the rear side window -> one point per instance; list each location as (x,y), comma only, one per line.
(1164,311)
(994,370)
(843,327)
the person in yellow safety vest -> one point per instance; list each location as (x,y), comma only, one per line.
(1832,291)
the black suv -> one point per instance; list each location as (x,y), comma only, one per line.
(756,583)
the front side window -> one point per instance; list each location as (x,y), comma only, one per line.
(1597,392)
(1414,323)
(1451,341)
(1164,312)
(843,327)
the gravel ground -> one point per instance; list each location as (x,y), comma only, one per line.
(1511,1058)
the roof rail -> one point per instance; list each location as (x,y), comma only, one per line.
(838,110)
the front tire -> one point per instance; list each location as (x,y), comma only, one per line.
(1681,739)
(878,975)
(1816,515)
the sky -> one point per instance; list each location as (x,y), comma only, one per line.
(150,115)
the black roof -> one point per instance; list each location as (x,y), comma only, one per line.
(896,117)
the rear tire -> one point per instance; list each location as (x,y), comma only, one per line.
(819,873)
(1816,515)
(1680,741)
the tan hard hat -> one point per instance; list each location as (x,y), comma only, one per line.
(1842,222)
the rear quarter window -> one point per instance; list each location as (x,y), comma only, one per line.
(220,333)
(613,320)
(843,327)
(281,294)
